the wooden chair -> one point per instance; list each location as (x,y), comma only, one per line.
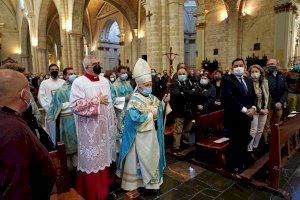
(59,160)
(213,123)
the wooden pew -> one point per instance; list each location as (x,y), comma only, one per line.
(284,138)
(211,123)
(59,160)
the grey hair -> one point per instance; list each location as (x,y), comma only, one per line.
(87,61)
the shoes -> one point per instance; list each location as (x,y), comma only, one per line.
(149,192)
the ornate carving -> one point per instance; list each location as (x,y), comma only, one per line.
(285,8)
(121,43)
(201,25)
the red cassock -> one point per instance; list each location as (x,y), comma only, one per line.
(94,186)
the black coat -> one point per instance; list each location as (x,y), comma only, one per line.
(233,96)
(156,87)
(208,97)
(184,98)
(278,89)
(164,80)
(237,123)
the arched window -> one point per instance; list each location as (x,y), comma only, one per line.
(114,31)
(22,4)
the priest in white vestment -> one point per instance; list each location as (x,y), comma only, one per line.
(46,91)
(142,156)
(91,103)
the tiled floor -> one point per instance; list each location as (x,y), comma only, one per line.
(185,181)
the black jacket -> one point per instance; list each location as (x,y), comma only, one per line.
(164,80)
(184,98)
(278,89)
(208,97)
(234,99)
(156,87)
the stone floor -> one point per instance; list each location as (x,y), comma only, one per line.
(185,181)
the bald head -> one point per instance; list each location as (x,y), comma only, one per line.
(272,62)
(11,83)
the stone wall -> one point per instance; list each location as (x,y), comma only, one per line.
(10,46)
(216,32)
(258,27)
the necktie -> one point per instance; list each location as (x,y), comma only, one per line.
(244,89)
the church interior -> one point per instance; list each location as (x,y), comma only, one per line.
(199,33)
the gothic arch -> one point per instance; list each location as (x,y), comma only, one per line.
(107,26)
(123,7)
(42,22)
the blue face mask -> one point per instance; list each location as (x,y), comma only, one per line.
(272,69)
(123,77)
(182,77)
(71,78)
(146,91)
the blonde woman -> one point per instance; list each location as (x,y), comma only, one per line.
(261,88)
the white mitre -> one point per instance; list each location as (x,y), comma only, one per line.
(141,72)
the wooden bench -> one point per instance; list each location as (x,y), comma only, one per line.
(283,137)
(207,124)
(59,160)
(284,142)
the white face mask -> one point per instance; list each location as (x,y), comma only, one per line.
(27,103)
(255,75)
(238,71)
(204,81)
(112,79)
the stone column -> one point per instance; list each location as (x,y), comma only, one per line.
(73,51)
(284,30)
(164,35)
(24,62)
(42,60)
(200,35)
(134,49)
(154,34)
(34,60)
(176,30)
(79,48)
(64,49)
(232,31)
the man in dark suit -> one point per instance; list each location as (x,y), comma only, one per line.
(239,100)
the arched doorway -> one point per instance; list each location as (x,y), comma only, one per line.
(110,45)
(190,47)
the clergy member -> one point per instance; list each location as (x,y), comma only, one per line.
(46,91)
(60,109)
(95,121)
(142,156)
(121,93)
(26,170)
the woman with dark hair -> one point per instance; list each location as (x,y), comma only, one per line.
(217,82)
(261,88)
(208,95)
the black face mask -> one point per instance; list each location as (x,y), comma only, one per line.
(272,69)
(97,69)
(54,74)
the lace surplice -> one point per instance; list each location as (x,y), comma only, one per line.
(95,123)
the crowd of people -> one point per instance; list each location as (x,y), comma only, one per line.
(112,123)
